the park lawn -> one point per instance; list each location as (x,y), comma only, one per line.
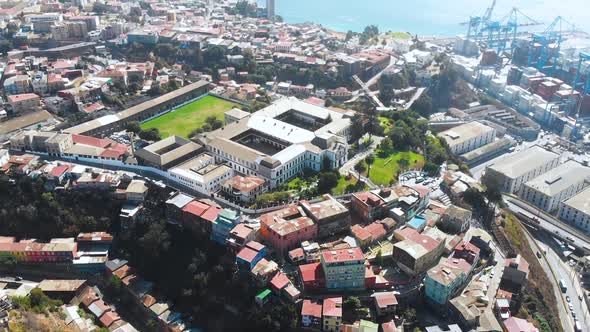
(350,184)
(399,35)
(383,171)
(187,118)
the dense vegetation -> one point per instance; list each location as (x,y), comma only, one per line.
(27,210)
(196,275)
(37,302)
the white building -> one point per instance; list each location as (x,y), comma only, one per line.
(557,185)
(201,174)
(468,137)
(576,210)
(521,167)
(280,141)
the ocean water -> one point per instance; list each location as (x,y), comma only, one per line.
(428,17)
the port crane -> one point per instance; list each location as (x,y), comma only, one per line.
(497,34)
(585,87)
(545,46)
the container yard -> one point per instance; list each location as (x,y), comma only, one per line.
(541,71)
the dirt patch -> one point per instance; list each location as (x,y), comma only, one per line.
(21,321)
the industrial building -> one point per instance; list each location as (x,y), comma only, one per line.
(557,185)
(576,211)
(517,169)
(280,141)
(468,137)
(487,151)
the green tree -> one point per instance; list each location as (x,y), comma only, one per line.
(370,32)
(386,145)
(357,129)
(152,134)
(349,35)
(352,303)
(403,163)
(133,126)
(493,184)
(327,181)
(409,316)
(379,258)
(423,105)
(360,168)
(370,159)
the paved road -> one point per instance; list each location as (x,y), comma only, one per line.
(348,167)
(547,222)
(564,316)
(566,273)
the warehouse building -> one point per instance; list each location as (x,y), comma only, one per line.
(576,211)
(468,137)
(521,167)
(557,185)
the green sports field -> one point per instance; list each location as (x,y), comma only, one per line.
(189,117)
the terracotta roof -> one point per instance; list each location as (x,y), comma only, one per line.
(385,299)
(211,213)
(255,245)
(514,324)
(88,296)
(241,231)
(108,318)
(360,233)
(311,272)
(148,300)
(389,327)
(310,308)
(333,307)
(245,183)
(377,231)
(22,97)
(59,170)
(247,254)
(280,281)
(196,208)
(297,253)
(123,271)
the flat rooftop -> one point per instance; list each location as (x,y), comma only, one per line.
(560,178)
(493,146)
(24,121)
(580,202)
(464,132)
(523,161)
(201,167)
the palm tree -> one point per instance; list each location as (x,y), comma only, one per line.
(360,168)
(370,159)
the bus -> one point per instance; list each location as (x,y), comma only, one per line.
(578,326)
(562,285)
